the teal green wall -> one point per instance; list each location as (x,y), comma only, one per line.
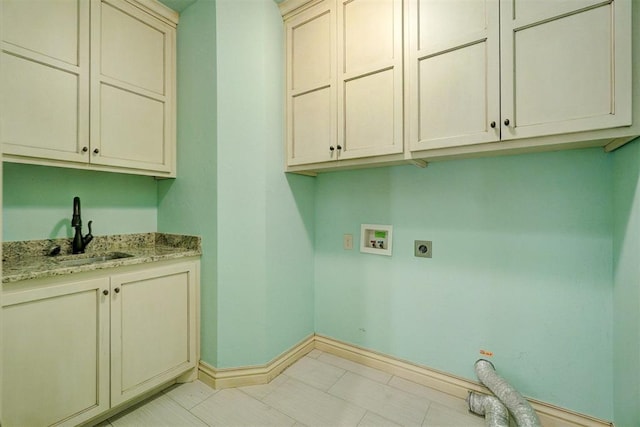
(626,291)
(522,266)
(187,204)
(265,231)
(535,256)
(256,222)
(37,202)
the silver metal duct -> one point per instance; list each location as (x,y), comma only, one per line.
(494,412)
(522,411)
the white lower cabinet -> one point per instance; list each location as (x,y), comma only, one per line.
(75,349)
(55,354)
(153,333)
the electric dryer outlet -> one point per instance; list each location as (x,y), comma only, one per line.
(422,248)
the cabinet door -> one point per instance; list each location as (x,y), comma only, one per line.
(132,87)
(55,354)
(153,328)
(45,83)
(453,73)
(370,101)
(311,85)
(566,66)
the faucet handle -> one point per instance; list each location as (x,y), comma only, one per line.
(88,238)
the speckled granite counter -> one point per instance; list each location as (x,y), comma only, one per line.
(30,260)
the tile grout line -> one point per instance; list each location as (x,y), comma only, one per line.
(313,372)
(195,406)
(386,383)
(366,411)
(426,413)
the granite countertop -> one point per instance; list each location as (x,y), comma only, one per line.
(31,260)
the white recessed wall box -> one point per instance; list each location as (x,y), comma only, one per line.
(376,239)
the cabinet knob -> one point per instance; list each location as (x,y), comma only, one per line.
(85,149)
(105,292)
(96,151)
(116,290)
(339,147)
(506,122)
(493,124)
(331,148)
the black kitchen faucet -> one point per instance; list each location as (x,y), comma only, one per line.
(79,242)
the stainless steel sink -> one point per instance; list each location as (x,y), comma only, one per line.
(110,256)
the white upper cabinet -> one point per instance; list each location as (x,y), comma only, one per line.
(311,85)
(344,81)
(45,84)
(90,84)
(382,82)
(488,71)
(453,73)
(369,78)
(566,66)
(132,87)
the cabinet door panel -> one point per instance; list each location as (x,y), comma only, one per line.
(312,133)
(453,73)
(559,78)
(311,62)
(369,113)
(55,354)
(565,80)
(41,110)
(311,85)
(132,51)
(132,102)
(453,114)
(370,100)
(442,23)
(122,138)
(528,12)
(153,330)
(56,33)
(45,68)
(369,34)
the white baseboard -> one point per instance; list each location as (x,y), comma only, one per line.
(254,375)
(550,415)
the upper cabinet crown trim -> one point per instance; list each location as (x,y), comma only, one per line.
(289,8)
(159,10)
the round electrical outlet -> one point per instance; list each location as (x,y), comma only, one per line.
(422,248)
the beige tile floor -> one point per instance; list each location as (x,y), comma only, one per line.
(319,390)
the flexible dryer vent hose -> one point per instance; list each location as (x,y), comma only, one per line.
(495,413)
(522,411)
